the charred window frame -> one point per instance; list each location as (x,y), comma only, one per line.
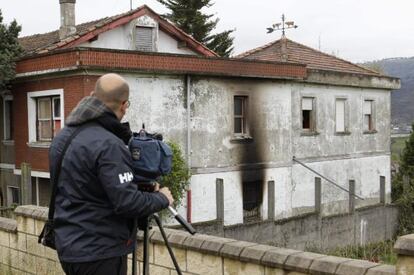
(240,116)
(308,115)
(368,111)
(252,200)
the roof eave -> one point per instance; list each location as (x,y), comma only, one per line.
(352,79)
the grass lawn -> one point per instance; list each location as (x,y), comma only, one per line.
(380,252)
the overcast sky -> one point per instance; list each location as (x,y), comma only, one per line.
(357,30)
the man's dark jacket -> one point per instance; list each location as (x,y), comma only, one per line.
(96,201)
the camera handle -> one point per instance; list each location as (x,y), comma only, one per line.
(181,220)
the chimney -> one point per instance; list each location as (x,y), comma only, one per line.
(67,18)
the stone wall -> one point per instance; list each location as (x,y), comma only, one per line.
(199,254)
(364,225)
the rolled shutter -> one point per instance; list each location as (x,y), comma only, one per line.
(144,40)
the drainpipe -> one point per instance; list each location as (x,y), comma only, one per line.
(188,91)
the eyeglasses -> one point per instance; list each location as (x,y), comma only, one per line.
(128,103)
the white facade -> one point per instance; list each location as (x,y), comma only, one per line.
(274,122)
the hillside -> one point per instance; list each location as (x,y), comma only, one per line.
(402,101)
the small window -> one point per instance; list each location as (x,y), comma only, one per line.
(8,118)
(308,114)
(13,195)
(340,124)
(48,117)
(144,39)
(240,104)
(368,116)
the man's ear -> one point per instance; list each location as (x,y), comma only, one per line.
(92,93)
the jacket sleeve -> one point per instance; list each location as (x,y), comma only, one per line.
(114,168)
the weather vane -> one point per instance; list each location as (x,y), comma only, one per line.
(282,26)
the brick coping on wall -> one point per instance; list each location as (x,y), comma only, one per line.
(275,257)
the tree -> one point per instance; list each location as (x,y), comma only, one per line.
(187,15)
(403,189)
(177,180)
(10,49)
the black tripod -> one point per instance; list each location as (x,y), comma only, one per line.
(145,226)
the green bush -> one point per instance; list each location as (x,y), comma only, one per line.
(403,189)
(177,180)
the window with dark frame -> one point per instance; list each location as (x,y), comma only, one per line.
(8,119)
(368,116)
(48,117)
(144,39)
(240,103)
(308,114)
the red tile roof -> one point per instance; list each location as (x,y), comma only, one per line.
(298,53)
(42,43)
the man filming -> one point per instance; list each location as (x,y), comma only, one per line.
(96,200)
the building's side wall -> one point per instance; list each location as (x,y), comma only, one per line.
(74,88)
(356,155)
(199,254)
(274,118)
(159,102)
(275,127)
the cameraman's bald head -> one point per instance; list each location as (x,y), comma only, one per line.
(112,90)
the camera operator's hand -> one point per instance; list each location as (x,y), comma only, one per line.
(167,193)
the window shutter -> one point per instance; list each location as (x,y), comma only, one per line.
(144,40)
(340,115)
(367,107)
(307,104)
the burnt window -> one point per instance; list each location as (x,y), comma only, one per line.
(252,199)
(308,114)
(48,117)
(240,123)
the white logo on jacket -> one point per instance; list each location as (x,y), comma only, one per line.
(125,177)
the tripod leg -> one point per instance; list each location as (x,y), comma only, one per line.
(146,246)
(134,262)
(134,253)
(158,221)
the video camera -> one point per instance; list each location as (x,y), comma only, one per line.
(151,159)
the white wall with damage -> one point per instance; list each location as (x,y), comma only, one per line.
(274,118)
